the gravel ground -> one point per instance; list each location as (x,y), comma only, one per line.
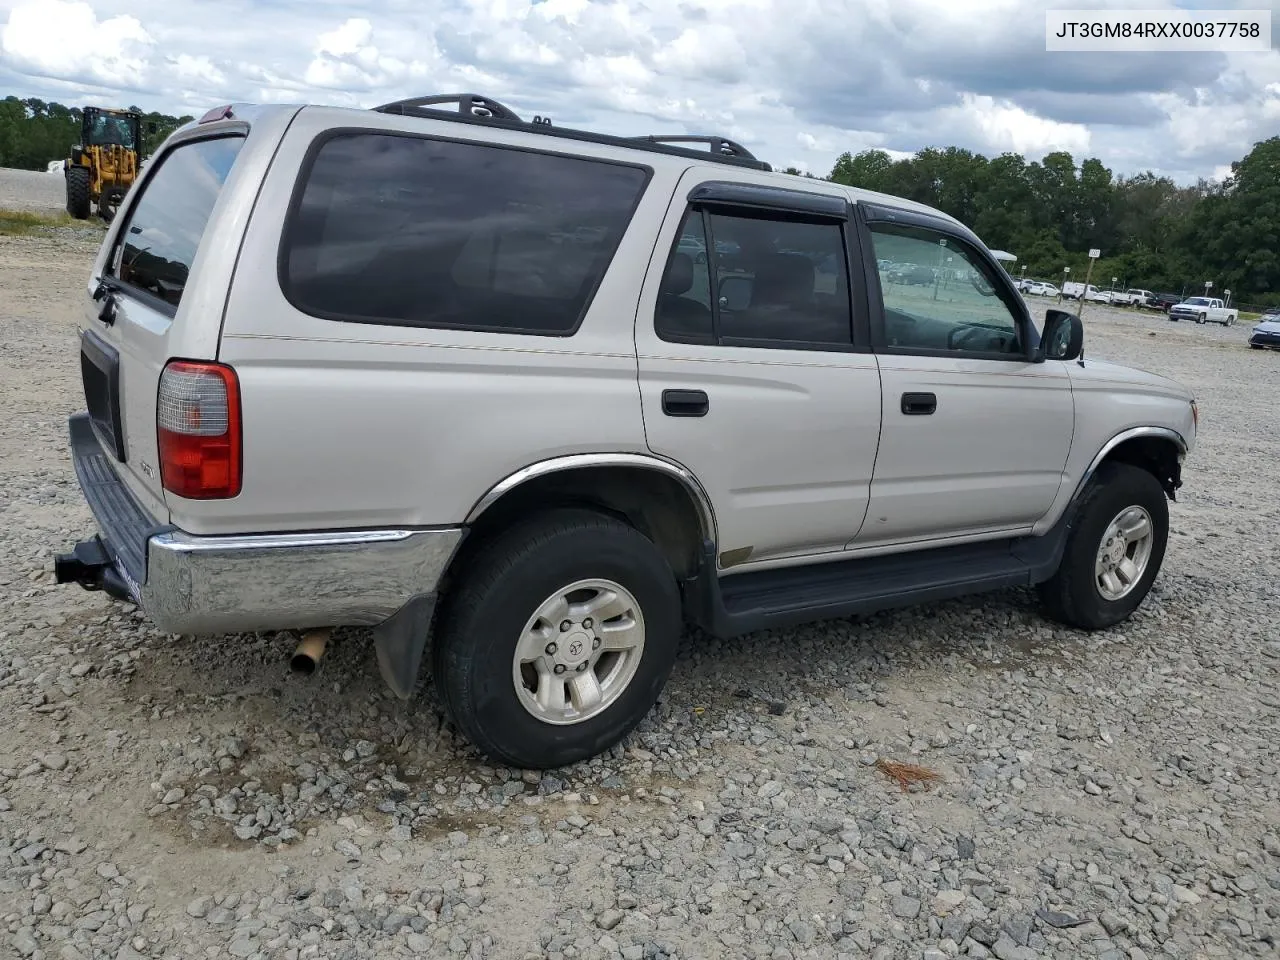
(32,190)
(1113,795)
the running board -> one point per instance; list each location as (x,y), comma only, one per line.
(745,602)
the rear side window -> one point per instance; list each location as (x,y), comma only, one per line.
(169,218)
(409,231)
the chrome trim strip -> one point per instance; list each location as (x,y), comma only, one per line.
(706,515)
(227,584)
(1130,434)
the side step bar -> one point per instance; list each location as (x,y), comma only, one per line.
(89,565)
(746,602)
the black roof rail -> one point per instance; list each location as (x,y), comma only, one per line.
(474,108)
(469,104)
(722,146)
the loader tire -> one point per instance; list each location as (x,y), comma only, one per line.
(78,203)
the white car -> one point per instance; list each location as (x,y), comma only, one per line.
(1041,288)
(1266,333)
(499,414)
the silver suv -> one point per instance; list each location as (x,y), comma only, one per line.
(541,396)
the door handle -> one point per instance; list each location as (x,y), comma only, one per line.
(919,404)
(685,403)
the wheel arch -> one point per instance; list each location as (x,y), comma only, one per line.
(661,499)
(1158,450)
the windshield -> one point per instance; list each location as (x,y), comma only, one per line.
(112,130)
(1199,301)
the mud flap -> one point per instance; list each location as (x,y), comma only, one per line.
(399,642)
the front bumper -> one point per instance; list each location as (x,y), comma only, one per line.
(1265,339)
(253,582)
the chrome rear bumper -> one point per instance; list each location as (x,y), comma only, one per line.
(226,584)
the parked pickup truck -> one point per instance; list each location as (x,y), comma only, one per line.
(1131,298)
(1078,291)
(1204,310)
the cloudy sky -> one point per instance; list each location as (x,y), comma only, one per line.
(797,81)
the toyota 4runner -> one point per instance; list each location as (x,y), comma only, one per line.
(542,396)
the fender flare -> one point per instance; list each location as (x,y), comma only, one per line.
(578,461)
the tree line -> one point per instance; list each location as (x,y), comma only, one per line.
(1153,234)
(34,132)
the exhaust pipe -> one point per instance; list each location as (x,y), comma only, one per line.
(309,651)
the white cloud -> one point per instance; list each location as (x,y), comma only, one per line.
(65,40)
(796,81)
(1004,126)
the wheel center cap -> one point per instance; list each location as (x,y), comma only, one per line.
(575,649)
(1117,551)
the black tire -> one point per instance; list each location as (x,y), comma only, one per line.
(502,586)
(1072,595)
(1200,319)
(78,203)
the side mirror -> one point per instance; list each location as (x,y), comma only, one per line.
(735,293)
(1063,337)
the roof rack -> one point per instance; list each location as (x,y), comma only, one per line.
(474,108)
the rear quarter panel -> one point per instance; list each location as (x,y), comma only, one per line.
(351,425)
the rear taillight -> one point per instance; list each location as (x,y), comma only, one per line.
(198,428)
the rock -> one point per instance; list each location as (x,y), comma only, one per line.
(1058,920)
(1018,928)
(947,900)
(25,943)
(54,761)
(964,848)
(906,908)
(609,918)
(1113,923)
(173,796)
(804,932)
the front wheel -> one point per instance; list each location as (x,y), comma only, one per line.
(1200,319)
(1113,552)
(557,640)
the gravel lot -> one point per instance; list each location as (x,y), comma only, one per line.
(1113,795)
(32,190)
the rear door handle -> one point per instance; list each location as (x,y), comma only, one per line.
(685,403)
(919,404)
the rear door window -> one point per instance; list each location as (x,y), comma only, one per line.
(409,231)
(158,243)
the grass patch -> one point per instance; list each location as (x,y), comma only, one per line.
(22,223)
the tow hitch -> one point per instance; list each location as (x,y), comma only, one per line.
(91,566)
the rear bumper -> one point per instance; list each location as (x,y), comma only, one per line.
(226,584)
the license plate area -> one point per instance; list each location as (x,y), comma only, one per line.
(100,374)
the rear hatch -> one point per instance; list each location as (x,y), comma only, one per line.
(157,292)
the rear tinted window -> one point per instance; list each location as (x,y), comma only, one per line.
(165,226)
(414,232)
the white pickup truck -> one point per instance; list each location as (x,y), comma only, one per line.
(1204,310)
(1131,298)
(1079,291)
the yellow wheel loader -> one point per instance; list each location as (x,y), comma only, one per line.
(105,163)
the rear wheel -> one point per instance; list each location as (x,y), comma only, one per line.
(78,192)
(557,640)
(110,203)
(1114,550)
